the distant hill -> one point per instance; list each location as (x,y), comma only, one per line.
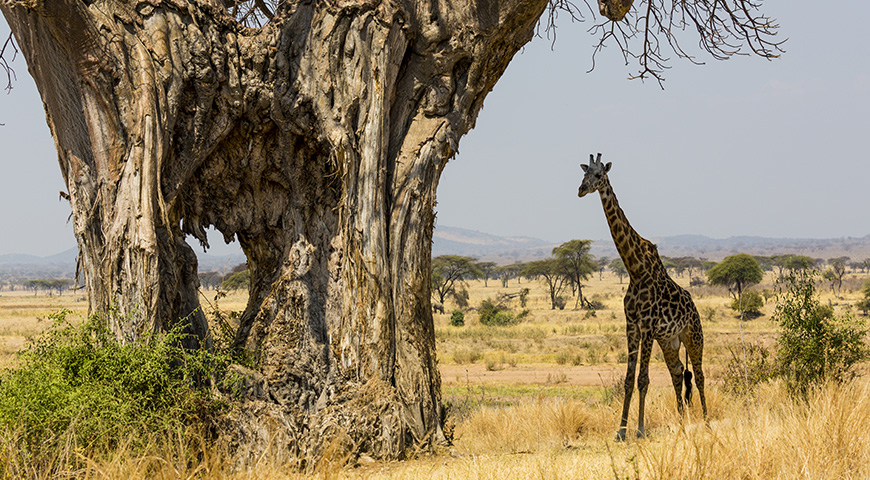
(503,250)
(63,265)
(18,266)
(64,257)
(219,263)
(483,246)
(717,249)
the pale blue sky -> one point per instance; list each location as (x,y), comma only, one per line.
(742,147)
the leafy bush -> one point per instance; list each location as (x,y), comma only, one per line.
(814,344)
(457,318)
(497,314)
(748,368)
(237,281)
(77,383)
(749,303)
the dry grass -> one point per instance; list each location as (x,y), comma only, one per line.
(767,436)
(557,425)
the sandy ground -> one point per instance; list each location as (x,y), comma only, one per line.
(542,374)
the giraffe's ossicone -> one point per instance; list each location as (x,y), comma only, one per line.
(656,308)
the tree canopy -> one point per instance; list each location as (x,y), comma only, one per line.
(618,267)
(736,272)
(449,269)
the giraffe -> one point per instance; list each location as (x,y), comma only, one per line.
(656,308)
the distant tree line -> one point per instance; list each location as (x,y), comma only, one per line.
(36,285)
(49,285)
(571,264)
(238,278)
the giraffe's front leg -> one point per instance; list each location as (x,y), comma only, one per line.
(643,380)
(633,337)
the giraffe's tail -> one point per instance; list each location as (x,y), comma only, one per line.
(687,379)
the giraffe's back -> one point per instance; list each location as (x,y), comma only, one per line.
(663,308)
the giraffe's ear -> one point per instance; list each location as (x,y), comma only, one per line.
(584,167)
(607,167)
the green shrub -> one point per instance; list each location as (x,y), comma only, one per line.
(749,303)
(457,318)
(748,368)
(237,281)
(814,345)
(77,383)
(496,314)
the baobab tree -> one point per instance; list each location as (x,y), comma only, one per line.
(315,133)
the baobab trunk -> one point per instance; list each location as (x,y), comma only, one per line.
(317,141)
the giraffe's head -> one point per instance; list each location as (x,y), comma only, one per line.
(595,177)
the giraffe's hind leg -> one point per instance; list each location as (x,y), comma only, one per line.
(695,352)
(671,353)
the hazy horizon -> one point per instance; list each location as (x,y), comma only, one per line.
(218,248)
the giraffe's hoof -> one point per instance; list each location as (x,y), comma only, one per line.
(620,436)
(641,433)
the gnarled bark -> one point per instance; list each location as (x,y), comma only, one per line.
(317,141)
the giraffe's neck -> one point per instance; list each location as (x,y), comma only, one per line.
(627,240)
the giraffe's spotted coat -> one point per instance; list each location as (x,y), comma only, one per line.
(656,308)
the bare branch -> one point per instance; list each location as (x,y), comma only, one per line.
(725,28)
(4,63)
(553,9)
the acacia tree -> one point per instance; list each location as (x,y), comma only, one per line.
(553,274)
(487,270)
(838,269)
(618,267)
(577,264)
(449,269)
(736,272)
(602,263)
(315,133)
(506,272)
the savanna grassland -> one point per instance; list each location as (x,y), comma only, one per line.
(542,398)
